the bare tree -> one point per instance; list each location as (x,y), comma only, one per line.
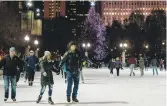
(10,31)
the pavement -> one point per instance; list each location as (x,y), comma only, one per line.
(99,89)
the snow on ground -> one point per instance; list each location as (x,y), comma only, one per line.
(99,90)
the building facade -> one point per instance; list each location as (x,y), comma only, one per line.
(121,10)
(53,9)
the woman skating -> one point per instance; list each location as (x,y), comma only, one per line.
(47,66)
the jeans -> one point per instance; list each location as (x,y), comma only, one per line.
(12,80)
(31,76)
(155,68)
(142,71)
(43,88)
(132,66)
(72,77)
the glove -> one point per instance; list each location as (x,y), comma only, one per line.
(44,74)
(22,74)
(57,73)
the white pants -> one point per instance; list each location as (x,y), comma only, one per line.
(132,66)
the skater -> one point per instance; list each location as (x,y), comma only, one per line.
(146,64)
(31,62)
(111,66)
(11,64)
(141,66)
(47,66)
(118,65)
(154,65)
(161,65)
(73,60)
(132,62)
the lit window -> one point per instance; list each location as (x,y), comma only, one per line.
(107,13)
(143,8)
(110,13)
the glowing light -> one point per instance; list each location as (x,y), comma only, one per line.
(92,3)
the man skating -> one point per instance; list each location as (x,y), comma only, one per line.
(154,65)
(132,63)
(73,61)
(31,62)
(141,65)
(11,64)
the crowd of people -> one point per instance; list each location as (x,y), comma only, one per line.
(133,63)
(70,67)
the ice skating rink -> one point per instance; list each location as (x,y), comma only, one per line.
(99,90)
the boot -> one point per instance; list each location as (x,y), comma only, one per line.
(5,99)
(14,100)
(29,83)
(39,99)
(68,99)
(74,98)
(50,101)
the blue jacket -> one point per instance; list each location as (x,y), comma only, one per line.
(31,61)
(64,68)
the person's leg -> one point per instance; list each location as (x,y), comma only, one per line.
(153,69)
(117,71)
(18,76)
(65,76)
(69,83)
(41,93)
(50,94)
(32,79)
(82,77)
(111,71)
(131,69)
(6,86)
(13,87)
(142,71)
(156,70)
(76,85)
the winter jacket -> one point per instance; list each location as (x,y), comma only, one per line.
(132,60)
(31,61)
(111,64)
(141,63)
(47,67)
(11,66)
(154,62)
(118,64)
(73,61)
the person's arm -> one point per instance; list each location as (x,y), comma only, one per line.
(19,64)
(2,62)
(64,59)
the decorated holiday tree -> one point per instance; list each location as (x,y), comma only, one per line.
(95,31)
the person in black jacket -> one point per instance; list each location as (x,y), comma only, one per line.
(111,66)
(47,66)
(11,64)
(73,61)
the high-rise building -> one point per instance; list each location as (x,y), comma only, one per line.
(53,9)
(76,12)
(121,10)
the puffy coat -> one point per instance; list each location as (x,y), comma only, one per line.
(141,63)
(48,67)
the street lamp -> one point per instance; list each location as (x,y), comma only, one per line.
(38,10)
(163,43)
(123,46)
(86,46)
(29,4)
(26,38)
(36,42)
(146,46)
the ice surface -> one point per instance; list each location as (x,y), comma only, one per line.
(99,90)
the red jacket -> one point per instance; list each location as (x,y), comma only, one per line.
(132,60)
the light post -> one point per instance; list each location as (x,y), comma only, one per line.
(86,46)
(123,46)
(36,42)
(27,38)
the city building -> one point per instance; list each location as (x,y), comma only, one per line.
(76,12)
(121,10)
(53,9)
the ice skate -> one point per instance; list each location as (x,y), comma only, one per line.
(50,101)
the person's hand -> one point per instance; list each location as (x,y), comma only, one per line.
(57,73)
(44,74)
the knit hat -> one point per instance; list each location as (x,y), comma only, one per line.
(71,43)
(12,49)
(46,53)
(31,51)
